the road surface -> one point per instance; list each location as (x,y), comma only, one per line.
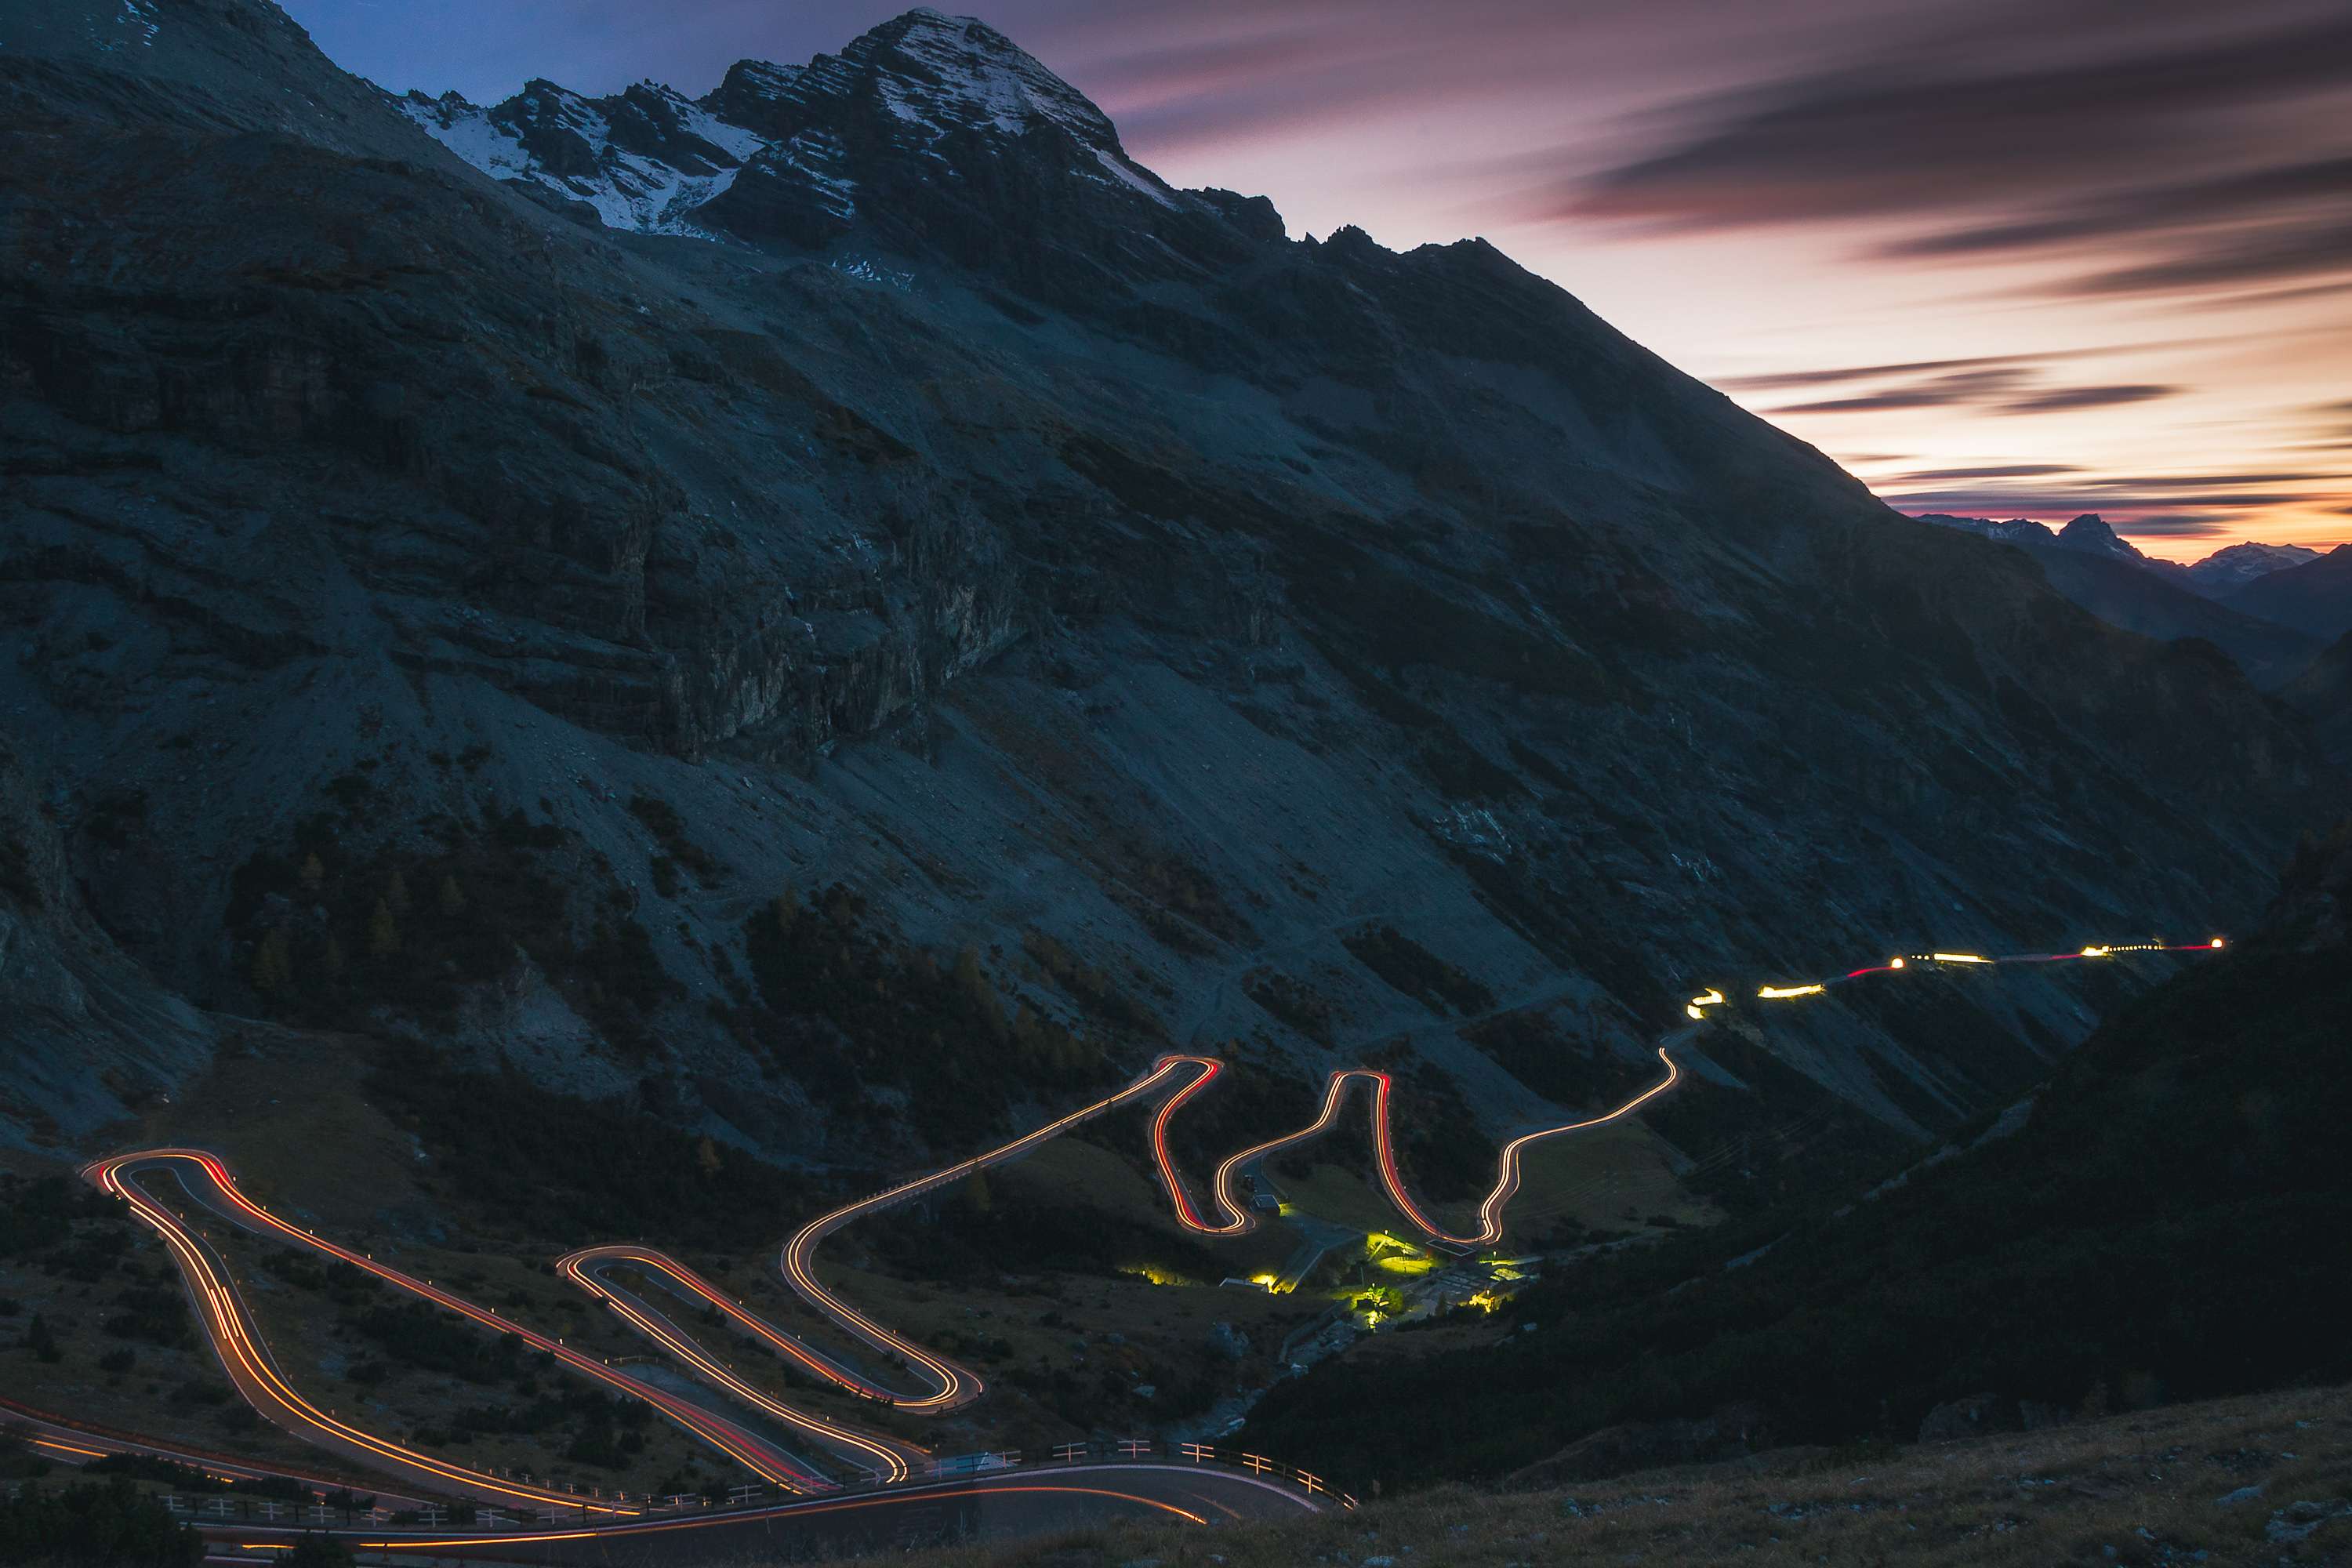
(1025,1502)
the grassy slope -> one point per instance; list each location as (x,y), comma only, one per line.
(2139,1488)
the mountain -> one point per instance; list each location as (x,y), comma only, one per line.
(2323,694)
(2154,606)
(2089,534)
(2159,1220)
(2109,577)
(845,610)
(2314,597)
(2021,530)
(2235,566)
(2230,568)
(2092,535)
(787,151)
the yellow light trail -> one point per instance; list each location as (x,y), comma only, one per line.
(660,1527)
(889,1462)
(952,1385)
(72,1449)
(249,1365)
(1782,992)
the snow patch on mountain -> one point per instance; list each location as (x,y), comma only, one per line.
(1127,176)
(2236,565)
(566,144)
(143,19)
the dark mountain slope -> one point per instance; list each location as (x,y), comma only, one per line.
(2090,565)
(2323,694)
(1060,562)
(2166,1223)
(2133,598)
(2314,597)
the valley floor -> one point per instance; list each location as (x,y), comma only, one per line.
(2261,1479)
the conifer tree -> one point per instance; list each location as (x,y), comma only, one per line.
(273,963)
(384,931)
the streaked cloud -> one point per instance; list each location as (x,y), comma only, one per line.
(2064,397)
(1950,228)
(1992,472)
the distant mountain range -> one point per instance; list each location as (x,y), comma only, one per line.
(2216,577)
(2272,607)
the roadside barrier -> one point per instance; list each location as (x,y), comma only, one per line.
(750,1500)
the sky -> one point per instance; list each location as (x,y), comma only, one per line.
(2000,258)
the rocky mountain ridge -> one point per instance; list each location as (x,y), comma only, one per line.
(2235,566)
(2215,576)
(439,617)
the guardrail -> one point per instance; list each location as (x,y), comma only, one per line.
(597,1506)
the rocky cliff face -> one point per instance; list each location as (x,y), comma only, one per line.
(87,1036)
(869,474)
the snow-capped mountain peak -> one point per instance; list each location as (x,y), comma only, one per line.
(925,84)
(2235,566)
(941,72)
(2093,535)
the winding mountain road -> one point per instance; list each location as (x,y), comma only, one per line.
(942,1385)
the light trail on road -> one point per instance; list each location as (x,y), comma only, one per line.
(886,1458)
(952,1385)
(1178,1078)
(229,1324)
(1237,1220)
